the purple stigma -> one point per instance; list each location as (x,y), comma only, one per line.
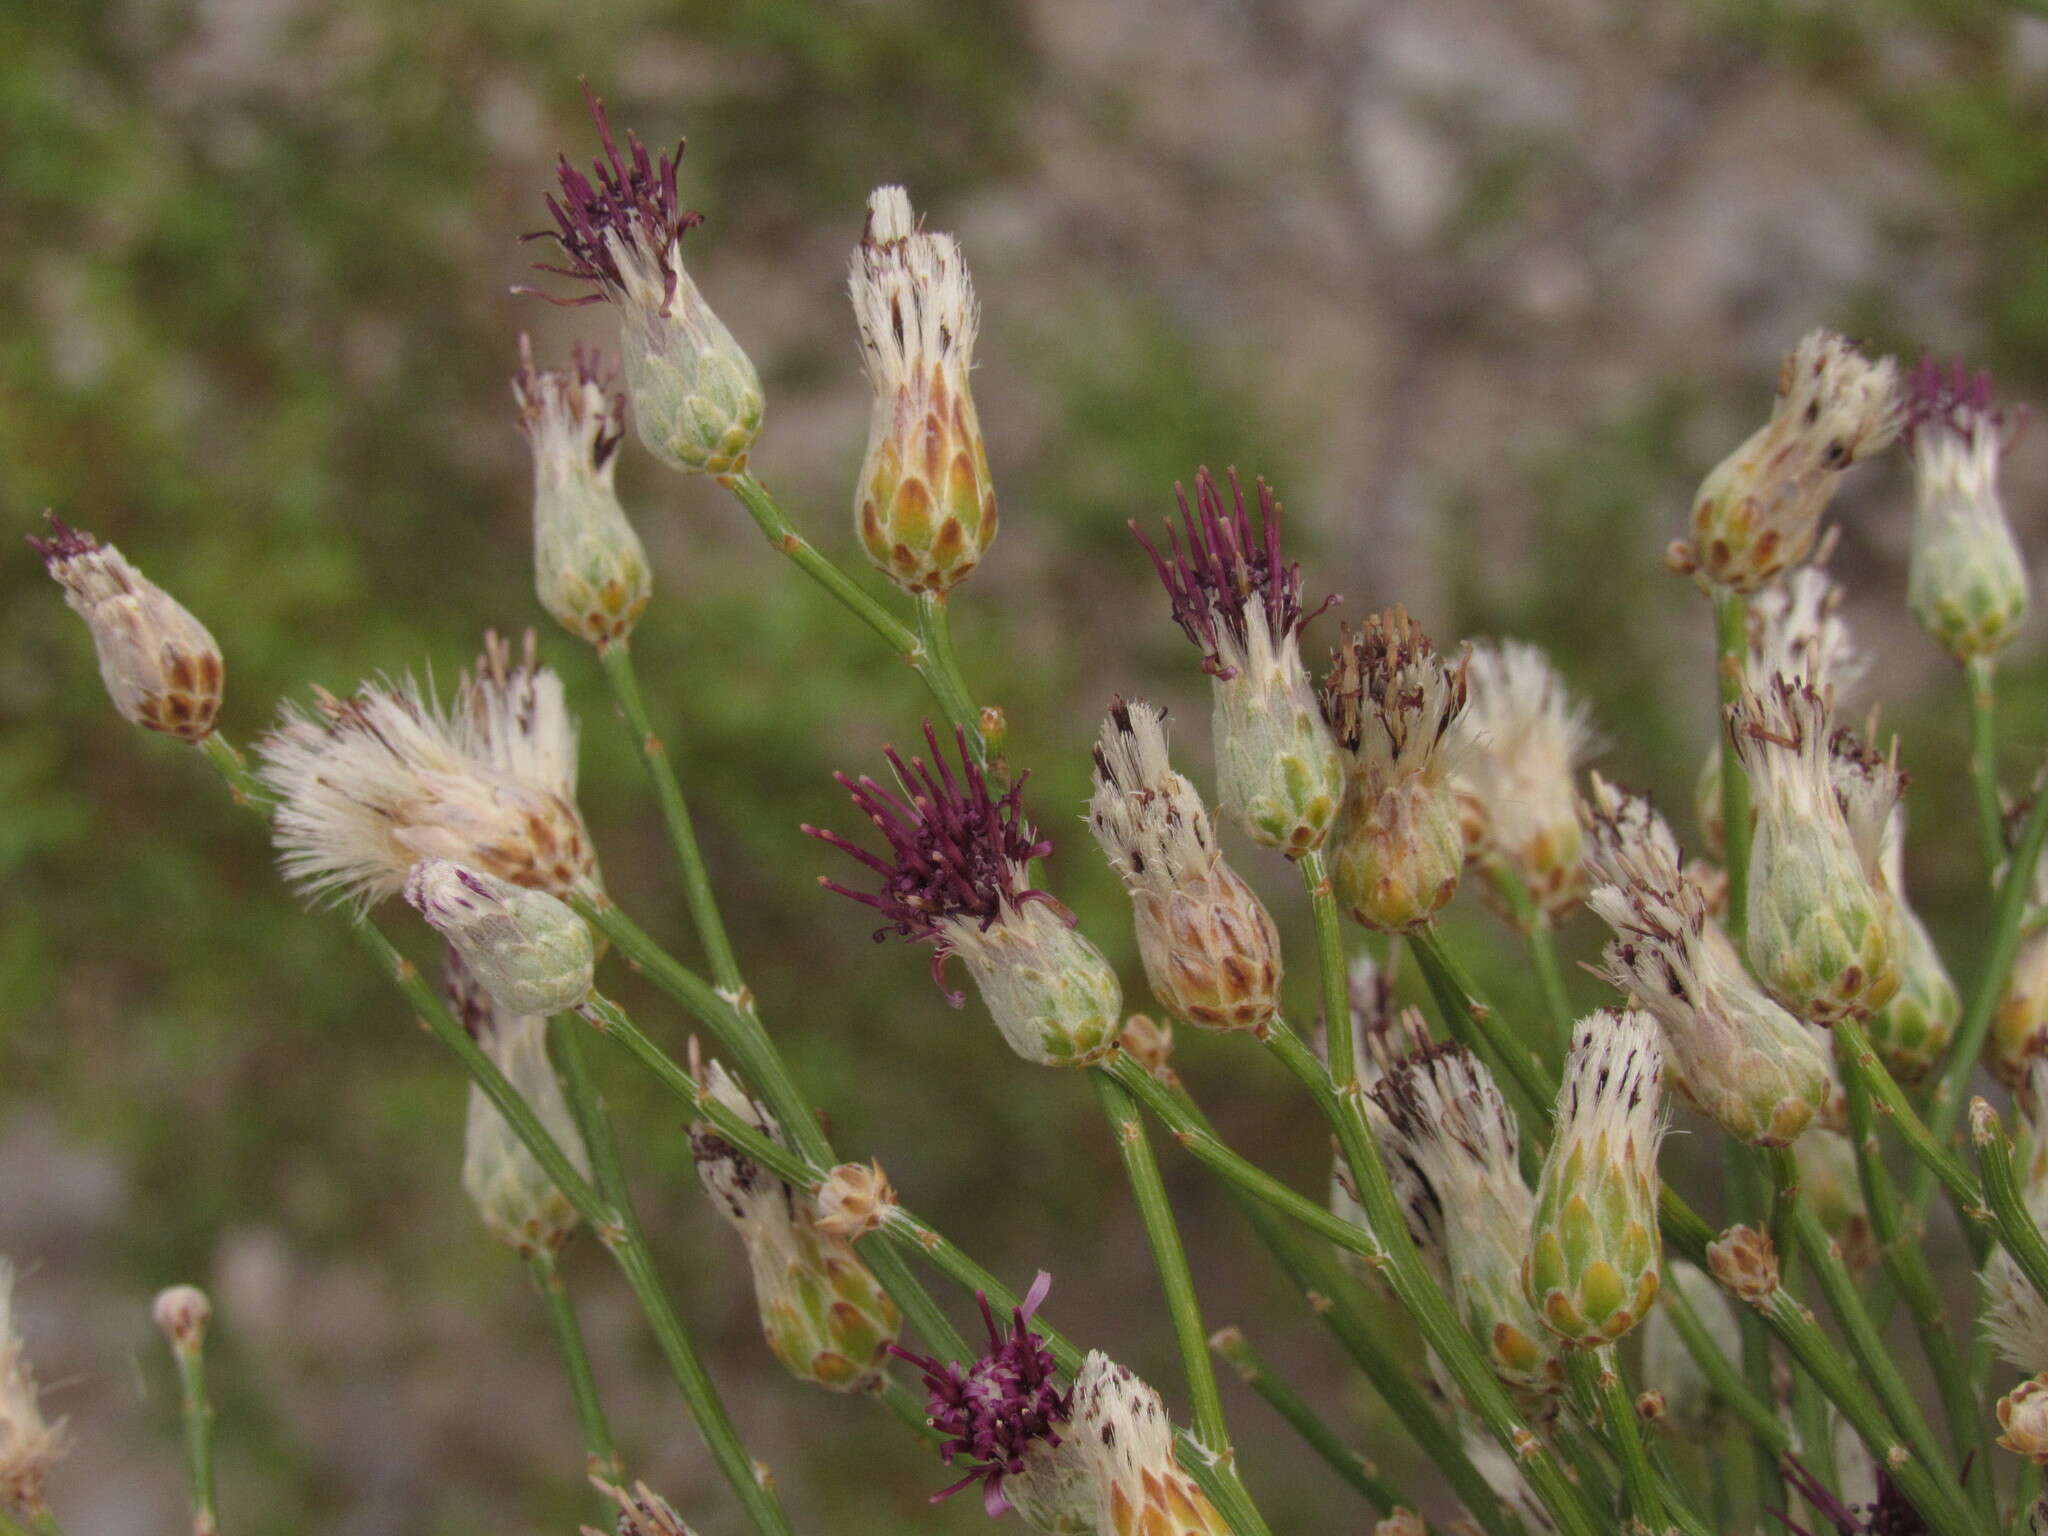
(588,367)
(1891,1515)
(64,543)
(1216,565)
(631,197)
(1949,396)
(957,853)
(992,1412)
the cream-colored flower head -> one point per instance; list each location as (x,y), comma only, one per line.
(1738,1056)
(161,667)
(1823,928)
(370,785)
(1124,1436)
(28,1444)
(589,567)
(1451,1145)
(1209,948)
(1529,739)
(1796,630)
(925,504)
(1967,582)
(1758,512)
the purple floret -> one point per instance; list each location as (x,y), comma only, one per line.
(1948,395)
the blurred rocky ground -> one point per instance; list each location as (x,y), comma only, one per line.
(1482,287)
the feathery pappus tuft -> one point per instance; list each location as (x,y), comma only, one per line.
(1758,512)
(1210,950)
(925,503)
(1529,739)
(370,785)
(1126,1439)
(161,667)
(1966,580)
(1595,1255)
(958,879)
(1451,1144)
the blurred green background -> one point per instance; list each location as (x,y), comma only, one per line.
(1483,288)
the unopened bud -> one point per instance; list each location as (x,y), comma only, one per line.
(1745,1261)
(1149,1042)
(854,1200)
(1126,1439)
(1650,1406)
(160,666)
(823,1312)
(1822,924)
(181,1315)
(528,950)
(1529,738)
(589,567)
(1210,951)
(514,1195)
(1402,1522)
(29,1445)
(925,504)
(2023,1415)
(1051,992)
(1966,582)
(1758,512)
(1392,701)
(1593,1266)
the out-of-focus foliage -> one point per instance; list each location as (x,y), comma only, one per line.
(258,329)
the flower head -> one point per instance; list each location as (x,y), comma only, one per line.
(1529,739)
(160,666)
(1209,948)
(696,398)
(995,1413)
(2023,1415)
(28,1444)
(370,785)
(925,503)
(514,1196)
(525,948)
(589,567)
(182,1315)
(1966,582)
(1126,1439)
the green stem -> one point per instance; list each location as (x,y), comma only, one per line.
(1339,1047)
(1755,1412)
(1534,924)
(1596,1380)
(2017,1229)
(1906,1265)
(1473,1020)
(1748,1200)
(907,1408)
(196,1408)
(617,658)
(1945,1103)
(242,782)
(603,1455)
(1127,1128)
(1350,1465)
(1731,631)
(621,1234)
(948,683)
(1860,1060)
(1982,675)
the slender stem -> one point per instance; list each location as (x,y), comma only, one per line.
(1731,629)
(196,1408)
(1747,1200)
(1169,1254)
(1945,1103)
(603,1455)
(1534,924)
(1756,1414)
(2017,1228)
(1466,1015)
(1332,975)
(622,1235)
(1859,1060)
(948,683)
(1596,1379)
(1352,1466)
(1982,675)
(1906,1265)
(617,658)
(242,782)
(907,1408)
(775,526)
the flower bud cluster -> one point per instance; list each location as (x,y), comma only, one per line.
(1210,951)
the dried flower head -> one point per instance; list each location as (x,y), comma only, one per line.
(925,504)
(823,1312)
(370,785)
(1393,702)
(1277,771)
(2023,1415)
(642,1512)
(1822,923)
(161,667)
(519,1203)
(525,948)
(958,879)
(1529,739)
(1758,512)
(1451,1144)
(1000,1415)
(1209,948)
(1967,583)
(1149,1042)
(1738,1056)
(1126,1439)
(854,1200)
(696,397)
(589,567)
(1593,1266)
(28,1445)
(1746,1262)
(182,1314)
